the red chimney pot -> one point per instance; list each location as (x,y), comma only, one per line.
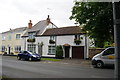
(30,24)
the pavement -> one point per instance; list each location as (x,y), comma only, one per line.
(71,61)
(76,61)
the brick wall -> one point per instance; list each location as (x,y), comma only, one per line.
(94,51)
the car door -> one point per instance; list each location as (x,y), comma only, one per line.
(26,55)
(21,54)
(108,56)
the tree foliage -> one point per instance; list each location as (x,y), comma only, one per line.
(97,18)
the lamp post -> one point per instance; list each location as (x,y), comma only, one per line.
(116,18)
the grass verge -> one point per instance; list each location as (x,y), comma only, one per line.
(50,59)
(6,78)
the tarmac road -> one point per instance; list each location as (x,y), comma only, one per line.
(13,68)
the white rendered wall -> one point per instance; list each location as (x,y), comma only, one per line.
(69,39)
(45,41)
(60,40)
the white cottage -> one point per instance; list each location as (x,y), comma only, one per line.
(44,36)
(74,42)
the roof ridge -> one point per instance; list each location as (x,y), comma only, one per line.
(38,22)
(63,27)
(13,29)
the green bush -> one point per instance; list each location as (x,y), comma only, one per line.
(59,52)
(107,44)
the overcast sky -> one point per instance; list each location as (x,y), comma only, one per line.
(17,13)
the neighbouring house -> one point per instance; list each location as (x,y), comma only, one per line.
(11,41)
(44,36)
(30,37)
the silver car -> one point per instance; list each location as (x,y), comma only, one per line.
(106,57)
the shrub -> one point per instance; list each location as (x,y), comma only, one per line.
(59,52)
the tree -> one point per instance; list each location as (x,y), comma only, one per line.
(97,20)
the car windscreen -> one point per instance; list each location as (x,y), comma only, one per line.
(108,51)
(30,52)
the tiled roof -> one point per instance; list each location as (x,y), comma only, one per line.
(63,31)
(38,28)
(16,30)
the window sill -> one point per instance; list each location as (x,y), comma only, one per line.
(50,54)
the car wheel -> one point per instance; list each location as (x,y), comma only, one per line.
(30,59)
(99,64)
(22,59)
(18,58)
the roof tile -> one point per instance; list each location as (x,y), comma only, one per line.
(63,31)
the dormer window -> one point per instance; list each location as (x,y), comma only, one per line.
(31,35)
(52,40)
(77,37)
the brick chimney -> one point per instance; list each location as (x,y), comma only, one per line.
(48,19)
(30,24)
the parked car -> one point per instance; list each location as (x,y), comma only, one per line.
(106,57)
(27,55)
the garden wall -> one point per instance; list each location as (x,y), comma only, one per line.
(94,51)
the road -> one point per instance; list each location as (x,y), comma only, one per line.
(13,68)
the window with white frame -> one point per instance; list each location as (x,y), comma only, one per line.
(17,48)
(3,37)
(31,48)
(31,35)
(9,37)
(77,37)
(17,36)
(3,48)
(52,38)
(51,50)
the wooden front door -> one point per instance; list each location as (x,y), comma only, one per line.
(9,49)
(67,51)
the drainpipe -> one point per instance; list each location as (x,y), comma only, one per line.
(25,44)
(86,48)
(70,52)
(55,43)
